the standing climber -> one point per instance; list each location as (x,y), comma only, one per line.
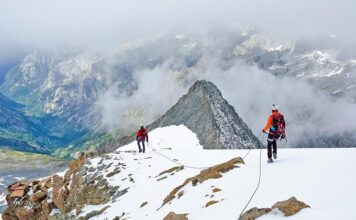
(276,129)
(141,137)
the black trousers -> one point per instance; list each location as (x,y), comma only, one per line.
(271,145)
(143,145)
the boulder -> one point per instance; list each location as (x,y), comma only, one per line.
(37,197)
(57,193)
(13,186)
(254,213)
(17,193)
(290,207)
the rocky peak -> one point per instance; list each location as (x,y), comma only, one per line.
(204,110)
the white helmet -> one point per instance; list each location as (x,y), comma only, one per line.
(274,107)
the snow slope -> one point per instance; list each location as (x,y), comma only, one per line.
(322,178)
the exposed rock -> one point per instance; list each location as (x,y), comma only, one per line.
(143,204)
(213,172)
(216,189)
(73,191)
(174,216)
(58,195)
(162,178)
(254,213)
(39,212)
(290,207)
(171,170)
(204,111)
(180,194)
(18,190)
(114,172)
(94,213)
(37,197)
(75,164)
(212,202)
(17,194)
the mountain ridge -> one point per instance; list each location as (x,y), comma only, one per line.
(204,111)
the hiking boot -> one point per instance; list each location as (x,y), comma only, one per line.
(274,155)
(269,160)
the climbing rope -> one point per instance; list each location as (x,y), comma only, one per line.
(258,183)
(201,168)
(174,161)
(188,166)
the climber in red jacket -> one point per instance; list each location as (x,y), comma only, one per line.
(276,129)
(141,137)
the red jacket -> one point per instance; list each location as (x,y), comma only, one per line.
(142,134)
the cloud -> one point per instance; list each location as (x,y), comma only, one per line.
(157,90)
(67,24)
(308,111)
(51,23)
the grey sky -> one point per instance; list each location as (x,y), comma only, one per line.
(50,22)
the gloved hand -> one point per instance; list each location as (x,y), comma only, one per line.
(264,131)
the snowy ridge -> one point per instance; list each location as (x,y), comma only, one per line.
(311,175)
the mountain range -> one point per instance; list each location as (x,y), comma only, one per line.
(56,92)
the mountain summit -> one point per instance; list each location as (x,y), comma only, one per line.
(216,123)
(205,112)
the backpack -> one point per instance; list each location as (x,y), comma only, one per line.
(278,124)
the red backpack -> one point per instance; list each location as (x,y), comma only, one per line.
(278,124)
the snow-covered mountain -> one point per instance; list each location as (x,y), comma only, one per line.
(177,175)
(73,85)
(67,83)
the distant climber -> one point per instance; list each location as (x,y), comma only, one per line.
(276,129)
(141,137)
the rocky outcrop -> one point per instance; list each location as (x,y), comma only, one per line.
(174,216)
(77,188)
(216,123)
(288,207)
(212,202)
(213,172)
(254,213)
(23,195)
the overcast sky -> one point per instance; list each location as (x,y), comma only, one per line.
(45,23)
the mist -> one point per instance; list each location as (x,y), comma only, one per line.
(104,26)
(87,23)
(308,111)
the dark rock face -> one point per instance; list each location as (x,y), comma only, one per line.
(204,111)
